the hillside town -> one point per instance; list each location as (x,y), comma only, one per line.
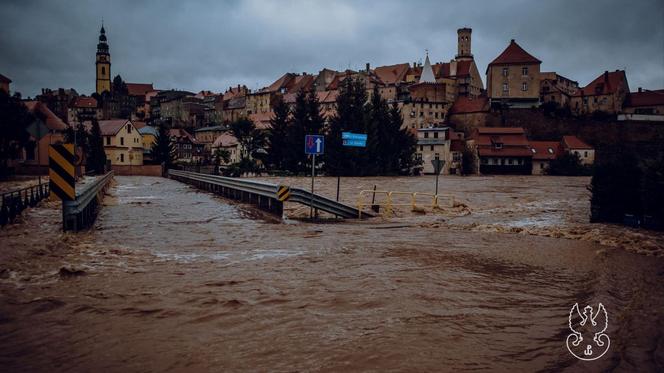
(445,106)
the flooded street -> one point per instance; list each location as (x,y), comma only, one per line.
(173,279)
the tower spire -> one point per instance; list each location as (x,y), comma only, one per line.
(427,71)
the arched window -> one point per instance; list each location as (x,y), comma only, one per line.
(103,70)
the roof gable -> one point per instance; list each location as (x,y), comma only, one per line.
(514,54)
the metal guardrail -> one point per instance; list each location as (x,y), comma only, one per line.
(14,202)
(262,194)
(81,212)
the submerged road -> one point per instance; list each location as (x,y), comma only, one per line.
(174,279)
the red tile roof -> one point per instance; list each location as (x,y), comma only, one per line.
(605,84)
(465,105)
(139,89)
(301,82)
(545,150)
(573,142)
(262,120)
(392,74)
(85,102)
(513,140)
(179,133)
(52,121)
(514,54)
(280,83)
(4,79)
(646,98)
(111,127)
(225,139)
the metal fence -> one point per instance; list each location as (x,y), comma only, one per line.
(14,202)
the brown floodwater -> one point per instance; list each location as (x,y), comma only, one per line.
(173,279)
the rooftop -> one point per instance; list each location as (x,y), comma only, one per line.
(514,54)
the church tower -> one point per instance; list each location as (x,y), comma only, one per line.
(103,63)
(463,45)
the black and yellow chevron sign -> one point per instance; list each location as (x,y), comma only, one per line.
(61,171)
(283,193)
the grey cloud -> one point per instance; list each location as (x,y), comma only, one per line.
(213,45)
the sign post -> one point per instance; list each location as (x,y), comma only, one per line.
(38,130)
(358,140)
(437,167)
(313,145)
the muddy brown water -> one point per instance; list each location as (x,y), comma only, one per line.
(172,279)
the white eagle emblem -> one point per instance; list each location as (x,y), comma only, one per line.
(587,340)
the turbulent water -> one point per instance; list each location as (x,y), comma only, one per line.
(172,279)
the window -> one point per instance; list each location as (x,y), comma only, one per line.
(435,135)
(103,70)
(121,157)
(108,140)
(524,86)
(585,154)
(421,148)
(505,88)
(541,166)
(524,71)
(426,135)
(121,140)
(437,156)
(505,71)
(509,161)
(436,115)
(421,114)
(129,128)
(431,147)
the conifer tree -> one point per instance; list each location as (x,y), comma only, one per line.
(278,140)
(96,156)
(163,151)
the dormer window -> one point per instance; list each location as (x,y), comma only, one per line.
(524,71)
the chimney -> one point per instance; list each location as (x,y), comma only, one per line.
(606,75)
(640,89)
(512,41)
(368,67)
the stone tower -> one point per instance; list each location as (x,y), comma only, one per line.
(464,37)
(103,64)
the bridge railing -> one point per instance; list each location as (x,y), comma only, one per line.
(81,212)
(390,202)
(262,194)
(14,202)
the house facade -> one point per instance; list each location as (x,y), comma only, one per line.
(513,78)
(123,143)
(502,150)
(607,93)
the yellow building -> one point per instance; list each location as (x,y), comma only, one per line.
(513,78)
(123,143)
(103,64)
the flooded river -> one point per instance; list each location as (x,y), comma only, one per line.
(172,279)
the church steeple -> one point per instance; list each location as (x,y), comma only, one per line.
(427,72)
(103,63)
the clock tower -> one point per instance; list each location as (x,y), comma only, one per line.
(103,64)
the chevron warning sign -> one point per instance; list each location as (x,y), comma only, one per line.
(283,193)
(61,171)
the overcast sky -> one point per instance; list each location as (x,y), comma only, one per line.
(195,45)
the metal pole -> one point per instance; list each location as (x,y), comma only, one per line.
(311,203)
(338,183)
(436,183)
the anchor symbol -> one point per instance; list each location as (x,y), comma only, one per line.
(588,351)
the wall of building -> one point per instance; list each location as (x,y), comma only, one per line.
(514,79)
(139,170)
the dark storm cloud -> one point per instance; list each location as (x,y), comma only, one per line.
(197,45)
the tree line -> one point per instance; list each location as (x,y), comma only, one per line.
(389,150)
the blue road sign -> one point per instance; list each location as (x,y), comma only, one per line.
(354,139)
(314,144)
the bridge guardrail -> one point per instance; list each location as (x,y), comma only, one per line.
(81,212)
(266,190)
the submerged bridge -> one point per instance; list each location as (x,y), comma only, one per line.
(266,196)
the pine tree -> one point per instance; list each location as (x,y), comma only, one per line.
(163,151)
(350,116)
(278,140)
(96,156)
(250,140)
(405,143)
(296,160)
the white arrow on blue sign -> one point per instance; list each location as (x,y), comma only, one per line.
(354,139)
(314,144)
